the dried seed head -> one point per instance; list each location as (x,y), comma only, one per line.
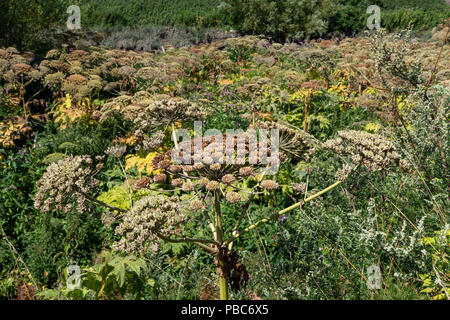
(108,218)
(299,188)
(196,205)
(188,168)
(343,173)
(198,166)
(215,167)
(295,143)
(203,182)
(269,185)
(164,164)
(64,181)
(228,178)
(373,151)
(177,182)
(233,197)
(246,171)
(160,178)
(188,186)
(175,168)
(143,183)
(149,217)
(116,151)
(212,185)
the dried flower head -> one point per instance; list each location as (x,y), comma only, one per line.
(151,143)
(149,218)
(269,185)
(177,182)
(233,197)
(143,183)
(215,166)
(160,178)
(188,186)
(69,178)
(108,218)
(212,185)
(246,171)
(228,178)
(202,165)
(203,182)
(196,205)
(116,151)
(21,69)
(296,143)
(299,188)
(168,110)
(371,150)
(343,173)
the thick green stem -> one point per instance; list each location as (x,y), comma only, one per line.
(221,268)
(223,288)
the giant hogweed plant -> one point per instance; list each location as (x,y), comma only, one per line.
(178,195)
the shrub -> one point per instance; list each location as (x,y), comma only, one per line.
(293,19)
(26,22)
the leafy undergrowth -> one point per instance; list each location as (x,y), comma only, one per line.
(111,114)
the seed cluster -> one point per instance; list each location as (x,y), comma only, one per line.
(206,165)
(166,111)
(297,144)
(371,150)
(149,218)
(65,180)
(116,151)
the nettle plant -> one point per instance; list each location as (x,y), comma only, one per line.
(235,168)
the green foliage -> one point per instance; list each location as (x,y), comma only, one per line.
(179,13)
(113,277)
(117,196)
(293,19)
(53,157)
(300,19)
(25,23)
(89,139)
(437,284)
(415,18)
(31,26)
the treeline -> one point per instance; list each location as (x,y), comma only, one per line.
(174,13)
(27,23)
(299,19)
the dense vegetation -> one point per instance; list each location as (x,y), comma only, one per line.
(37,25)
(87,181)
